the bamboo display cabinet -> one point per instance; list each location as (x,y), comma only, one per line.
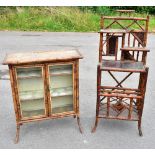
(45,85)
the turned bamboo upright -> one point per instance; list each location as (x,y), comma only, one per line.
(122,50)
(45,85)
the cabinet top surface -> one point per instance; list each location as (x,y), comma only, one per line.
(41,56)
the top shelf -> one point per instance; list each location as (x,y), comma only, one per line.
(27,73)
(24,73)
(125,11)
(61,73)
(119,31)
(60,70)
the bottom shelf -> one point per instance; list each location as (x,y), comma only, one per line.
(31,108)
(62,104)
(62,109)
(33,113)
(118,112)
(36,107)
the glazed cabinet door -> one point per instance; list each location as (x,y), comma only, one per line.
(61,83)
(31,94)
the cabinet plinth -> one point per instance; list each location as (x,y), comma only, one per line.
(45,85)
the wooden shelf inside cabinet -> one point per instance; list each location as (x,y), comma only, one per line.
(61,74)
(26,73)
(61,70)
(28,105)
(31,95)
(57,92)
(45,85)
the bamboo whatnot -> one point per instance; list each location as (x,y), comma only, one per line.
(116,101)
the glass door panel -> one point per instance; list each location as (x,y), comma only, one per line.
(31,91)
(61,88)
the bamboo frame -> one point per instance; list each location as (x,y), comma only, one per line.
(17,90)
(125,30)
(77,94)
(119,99)
(119,91)
(47,97)
(50,81)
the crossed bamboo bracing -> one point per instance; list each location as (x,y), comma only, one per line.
(131,37)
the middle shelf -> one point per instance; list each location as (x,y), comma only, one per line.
(38,94)
(64,91)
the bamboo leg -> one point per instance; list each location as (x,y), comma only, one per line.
(140,102)
(140,111)
(142,87)
(140,108)
(96,124)
(139,128)
(98,98)
(101,47)
(97,112)
(79,124)
(17,134)
(97,119)
(77,96)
